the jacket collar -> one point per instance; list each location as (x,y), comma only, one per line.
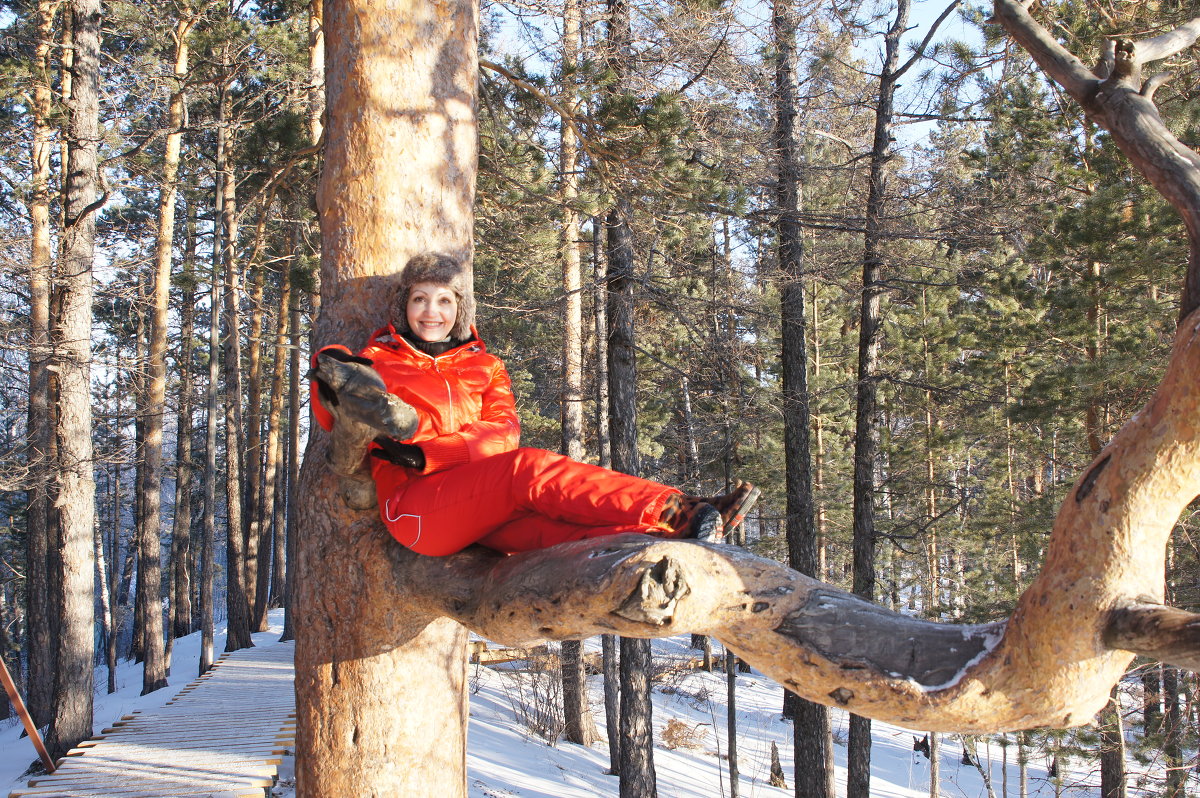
(389,335)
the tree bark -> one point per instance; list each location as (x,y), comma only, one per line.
(236,604)
(208,525)
(731,669)
(270,578)
(255,523)
(1112,749)
(810,721)
(74,676)
(39,640)
(293,466)
(580,726)
(181,531)
(154,676)
(867,422)
(378,679)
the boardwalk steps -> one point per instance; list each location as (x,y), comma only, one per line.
(222,736)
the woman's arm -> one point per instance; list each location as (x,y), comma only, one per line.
(496,431)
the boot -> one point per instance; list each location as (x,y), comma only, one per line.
(362,409)
(735,505)
(692,517)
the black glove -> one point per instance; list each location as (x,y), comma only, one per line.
(326,393)
(408,455)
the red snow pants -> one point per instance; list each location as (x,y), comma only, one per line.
(515,501)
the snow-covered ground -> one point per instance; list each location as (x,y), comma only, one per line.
(507,760)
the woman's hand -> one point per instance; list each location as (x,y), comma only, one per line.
(407,455)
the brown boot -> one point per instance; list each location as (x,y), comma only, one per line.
(735,505)
(692,517)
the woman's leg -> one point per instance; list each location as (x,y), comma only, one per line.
(442,513)
(539,532)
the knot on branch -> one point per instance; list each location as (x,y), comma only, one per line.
(1124,58)
(658,591)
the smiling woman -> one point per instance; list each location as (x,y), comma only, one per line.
(435,419)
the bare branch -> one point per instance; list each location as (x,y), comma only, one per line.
(920,51)
(1153,630)
(1154,84)
(1056,60)
(1168,44)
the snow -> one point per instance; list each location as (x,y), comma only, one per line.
(506,760)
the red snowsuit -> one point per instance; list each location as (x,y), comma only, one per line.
(477,485)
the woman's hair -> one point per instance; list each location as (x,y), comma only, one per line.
(432,267)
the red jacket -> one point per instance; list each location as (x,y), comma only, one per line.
(463,398)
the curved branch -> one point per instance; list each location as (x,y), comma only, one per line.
(1155,83)
(1056,60)
(1168,44)
(1052,663)
(1123,106)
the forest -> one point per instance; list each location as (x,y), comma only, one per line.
(985,289)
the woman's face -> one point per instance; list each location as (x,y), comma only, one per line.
(431,311)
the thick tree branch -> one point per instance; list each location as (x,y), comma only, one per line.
(1058,62)
(1162,633)
(1051,664)
(1168,44)
(1124,107)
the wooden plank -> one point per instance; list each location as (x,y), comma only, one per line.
(222,736)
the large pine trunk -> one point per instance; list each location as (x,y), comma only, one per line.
(39,642)
(181,530)
(74,676)
(810,721)
(208,523)
(236,603)
(379,680)
(154,676)
(577,716)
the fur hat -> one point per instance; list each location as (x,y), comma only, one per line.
(432,267)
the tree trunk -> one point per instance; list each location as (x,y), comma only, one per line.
(111,543)
(293,466)
(810,722)
(378,678)
(181,531)
(1112,749)
(254,522)
(612,700)
(208,526)
(1173,736)
(154,675)
(600,321)
(637,743)
(270,579)
(731,669)
(39,641)
(236,604)
(580,726)
(316,69)
(935,765)
(72,704)
(866,429)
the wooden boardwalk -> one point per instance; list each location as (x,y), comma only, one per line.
(223,736)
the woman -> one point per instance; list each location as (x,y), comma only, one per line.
(460,477)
